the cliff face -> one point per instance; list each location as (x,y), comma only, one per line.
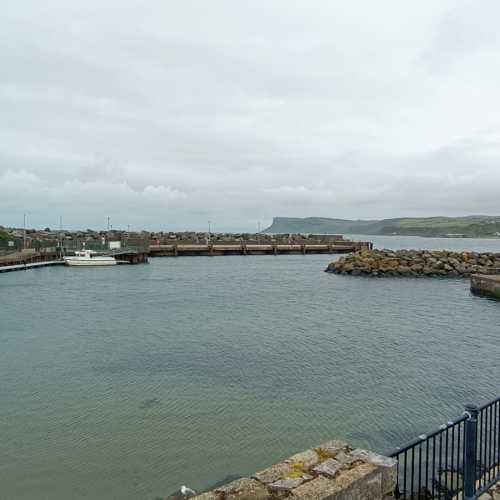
(318,225)
(472,226)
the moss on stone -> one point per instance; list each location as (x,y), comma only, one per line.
(324,454)
(298,470)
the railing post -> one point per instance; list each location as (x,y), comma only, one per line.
(470,449)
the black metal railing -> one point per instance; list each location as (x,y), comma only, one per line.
(459,460)
(488,445)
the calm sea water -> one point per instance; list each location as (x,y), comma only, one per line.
(126,382)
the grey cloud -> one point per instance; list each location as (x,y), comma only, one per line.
(167,114)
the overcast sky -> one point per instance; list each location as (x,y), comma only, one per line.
(164,114)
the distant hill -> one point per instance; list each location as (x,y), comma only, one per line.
(471,226)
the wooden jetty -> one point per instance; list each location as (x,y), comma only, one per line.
(30,265)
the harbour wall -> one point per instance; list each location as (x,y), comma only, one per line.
(332,471)
(485,285)
(28,256)
(141,256)
(186,249)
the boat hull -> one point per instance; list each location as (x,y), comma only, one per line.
(89,262)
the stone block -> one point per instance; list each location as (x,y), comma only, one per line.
(328,468)
(363,482)
(286,484)
(388,467)
(360,483)
(345,459)
(273,473)
(306,459)
(331,448)
(316,489)
(210,495)
(243,489)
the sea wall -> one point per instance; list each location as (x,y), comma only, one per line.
(416,263)
(332,471)
(485,285)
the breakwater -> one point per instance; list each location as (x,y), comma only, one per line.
(332,471)
(416,263)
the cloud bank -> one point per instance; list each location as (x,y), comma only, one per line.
(166,114)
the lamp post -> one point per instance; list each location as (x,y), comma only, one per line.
(60,237)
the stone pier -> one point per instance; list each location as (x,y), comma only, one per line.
(332,471)
(486,285)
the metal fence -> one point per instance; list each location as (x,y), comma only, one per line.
(459,460)
(103,246)
(11,244)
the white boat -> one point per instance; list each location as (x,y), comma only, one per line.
(89,258)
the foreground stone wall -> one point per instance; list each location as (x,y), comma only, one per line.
(332,471)
(416,263)
(492,494)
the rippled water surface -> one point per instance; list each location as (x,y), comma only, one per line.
(126,382)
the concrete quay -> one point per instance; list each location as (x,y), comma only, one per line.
(485,285)
(175,250)
(137,254)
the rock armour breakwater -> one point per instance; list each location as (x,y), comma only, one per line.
(416,263)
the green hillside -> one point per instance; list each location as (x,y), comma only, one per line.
(472,226)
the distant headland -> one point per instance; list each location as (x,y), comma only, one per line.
(473,226)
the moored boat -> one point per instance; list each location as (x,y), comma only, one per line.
(89,258)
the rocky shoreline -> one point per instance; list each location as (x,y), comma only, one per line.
(416,263)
